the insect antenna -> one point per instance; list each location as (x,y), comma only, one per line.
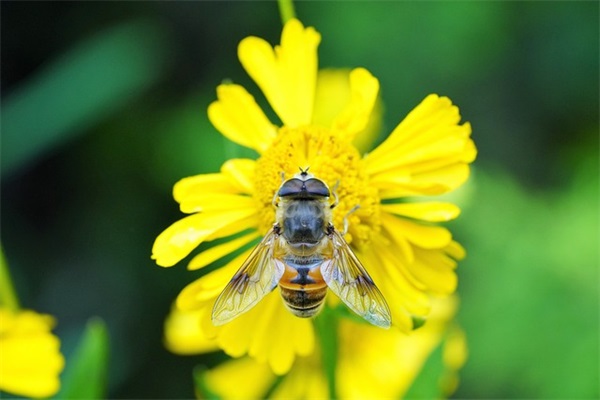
(274,201)
(336,199)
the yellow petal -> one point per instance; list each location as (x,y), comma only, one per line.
(204,291)
(438,155)
(449,177)
(372,362)
(252,379)
(429,271)
(204,184)
(436,270)
(277,348)
(400,290)
(377,363)
(241,225)
(452,144)
(306,380)
(240,171)
(399,264)
(183,333)
(429,183)
(30,384)
(429,211)
(252,333)
(353,119)
(24,322)
(455,350)
(455,250)
(221,250)
(178,240)
(436,267)
(334,96)
(455,355)
(207,202)
(428,151)
(237,116)
(433,119)
(428,237)
(30,360)
(287,74)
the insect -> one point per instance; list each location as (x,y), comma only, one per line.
(305,255)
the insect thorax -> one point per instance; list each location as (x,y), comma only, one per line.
(303,221)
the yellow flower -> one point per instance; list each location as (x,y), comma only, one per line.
(30,360)
(383,364)
(184,335)
(254,380)
(407,256)
(372,364)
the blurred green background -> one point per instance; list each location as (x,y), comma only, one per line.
(104,109)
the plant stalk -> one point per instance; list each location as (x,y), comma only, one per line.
(286,9)
(8,297)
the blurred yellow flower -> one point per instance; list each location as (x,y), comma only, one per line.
(184,335)
(381,364)
(407,256)
(30,360)
(371,364)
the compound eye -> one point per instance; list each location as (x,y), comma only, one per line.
(290,187)
(316,187)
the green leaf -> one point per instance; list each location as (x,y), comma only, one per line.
(86,369)
(79,89)
(439,376)
(418,322)
(201,389)
(427,383)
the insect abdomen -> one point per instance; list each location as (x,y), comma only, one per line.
(302,287)
(304,302)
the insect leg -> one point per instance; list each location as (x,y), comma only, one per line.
(346,223)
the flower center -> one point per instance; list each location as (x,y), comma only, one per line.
(331,159)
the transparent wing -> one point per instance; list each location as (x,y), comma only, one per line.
(348,279)
(256,278)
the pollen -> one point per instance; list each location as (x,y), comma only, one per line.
(330,158)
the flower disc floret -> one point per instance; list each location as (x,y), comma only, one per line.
(332,159)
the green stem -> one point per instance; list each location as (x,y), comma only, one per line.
(286,9)
(8,297)
(327,329)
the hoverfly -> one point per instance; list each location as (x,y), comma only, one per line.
(304,254)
